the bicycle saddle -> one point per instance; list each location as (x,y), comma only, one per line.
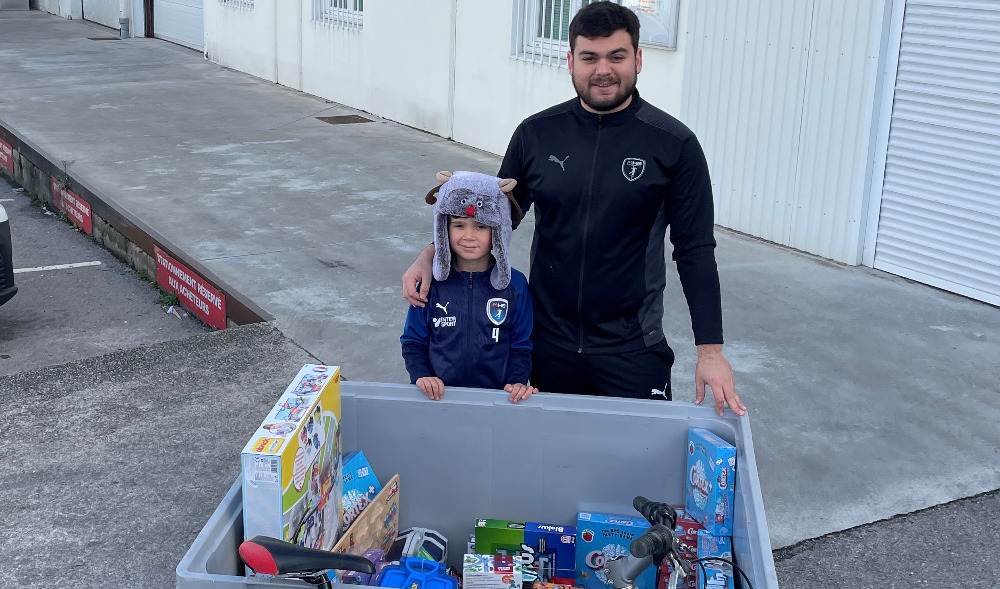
(271,556)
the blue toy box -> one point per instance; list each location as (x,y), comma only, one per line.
(360,486)
(711,474)
(716,574)
(600,538)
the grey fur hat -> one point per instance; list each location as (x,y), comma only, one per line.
(483,198)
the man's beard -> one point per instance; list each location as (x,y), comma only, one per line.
(625,89)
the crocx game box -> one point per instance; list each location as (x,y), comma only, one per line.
(545,550)
(711,474)
(599,538)
(717,574)
(292,464)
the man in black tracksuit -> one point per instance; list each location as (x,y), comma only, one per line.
(607,173)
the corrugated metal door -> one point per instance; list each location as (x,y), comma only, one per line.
(939,221)
(105,12)
(180,21)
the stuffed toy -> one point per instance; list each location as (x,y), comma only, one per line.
(488,200)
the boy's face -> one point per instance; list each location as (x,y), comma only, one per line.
(471,241)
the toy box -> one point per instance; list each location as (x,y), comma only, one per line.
(360,486)
(548,551)
(356,578)
(711,474)
(601,537)
(292,466)
(717,574)
(686,531)
(419,543)
(492,571)
(376,527)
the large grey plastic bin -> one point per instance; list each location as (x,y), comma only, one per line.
(474,454)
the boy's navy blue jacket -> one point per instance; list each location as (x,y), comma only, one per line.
(470,334)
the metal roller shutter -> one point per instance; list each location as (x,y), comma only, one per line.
(180,21)
(939,221)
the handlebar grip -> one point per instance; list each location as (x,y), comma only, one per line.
(655,512)
(657,539)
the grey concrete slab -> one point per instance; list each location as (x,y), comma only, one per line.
(113,464)
(870,395)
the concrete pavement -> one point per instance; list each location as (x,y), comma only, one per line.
(869,395)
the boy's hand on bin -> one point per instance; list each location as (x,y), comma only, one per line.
(431,386)
(519,392)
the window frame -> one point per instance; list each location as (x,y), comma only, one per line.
(531,46)
(327,12)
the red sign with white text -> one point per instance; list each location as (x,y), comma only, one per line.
(77,209)
(6,155)
(202,298)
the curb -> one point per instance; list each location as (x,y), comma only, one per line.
(113,228)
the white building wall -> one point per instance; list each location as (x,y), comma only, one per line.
(397,66)
(63,8)
(241,37)
(781,94)
(443,66)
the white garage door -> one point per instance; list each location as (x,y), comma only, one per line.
(180,21)
(939,222)
(105,12)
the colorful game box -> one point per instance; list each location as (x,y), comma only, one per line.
(360,486)
(717,575)
(711,474)
(548,551)
(292,464)
(601,537)
(491,571)
(356,578)
(375,528)
(686,531)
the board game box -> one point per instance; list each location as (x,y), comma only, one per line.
(291,467)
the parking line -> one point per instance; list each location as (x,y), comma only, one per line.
(56,267)
(6,200)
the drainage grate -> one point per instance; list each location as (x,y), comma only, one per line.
(344,120)
(104,38)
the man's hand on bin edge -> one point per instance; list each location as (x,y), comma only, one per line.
(519,392)
(431,386)
(417,278)
(714,370)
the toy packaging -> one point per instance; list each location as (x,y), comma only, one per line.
(292,464)
(419,543)
(376,527)
(711,474)
(356,578)
(360,486)
(599,538)
(547,551)
(491,571)
(686,531)
(718,574)
(417,573)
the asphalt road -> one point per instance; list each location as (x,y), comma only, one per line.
(62,315)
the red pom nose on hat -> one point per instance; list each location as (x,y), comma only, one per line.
(470,211)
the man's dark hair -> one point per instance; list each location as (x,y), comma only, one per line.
(602,19)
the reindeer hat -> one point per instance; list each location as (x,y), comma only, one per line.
(483,198)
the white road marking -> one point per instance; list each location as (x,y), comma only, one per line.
(56,267)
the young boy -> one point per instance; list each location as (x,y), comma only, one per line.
(475,329)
